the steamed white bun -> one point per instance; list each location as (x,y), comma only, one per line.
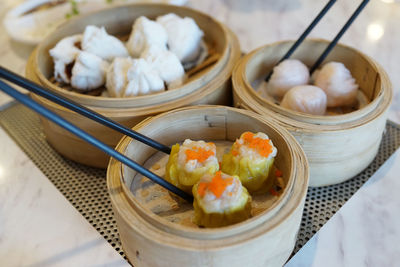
(289,73)
(97,41)
(305,98)
(89,72)
(184,36)
(64,53)
(117,79)
(336,80)
(144,33)
(166,64)
(142,79)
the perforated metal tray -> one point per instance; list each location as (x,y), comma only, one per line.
(86,188)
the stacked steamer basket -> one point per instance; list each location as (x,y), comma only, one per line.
(338,146)
(155,228)
(210,85)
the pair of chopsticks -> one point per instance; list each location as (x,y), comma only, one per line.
(331,44)
(59,99)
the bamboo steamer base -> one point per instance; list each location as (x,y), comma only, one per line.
(218,91)
(266,239)
(337,147)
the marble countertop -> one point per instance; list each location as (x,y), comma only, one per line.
(38,226)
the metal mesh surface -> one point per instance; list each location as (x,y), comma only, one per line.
(86,188)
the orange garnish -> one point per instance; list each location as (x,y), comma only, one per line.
(235,152)
(278,173)
(198,153)
(273,192)
(217,185)
(262,146)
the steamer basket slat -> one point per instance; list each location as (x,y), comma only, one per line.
(340,146)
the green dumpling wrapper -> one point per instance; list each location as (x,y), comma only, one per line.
(231,212)
(251,158)
(178,175)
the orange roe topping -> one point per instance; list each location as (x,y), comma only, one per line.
(217,185)
(262,146)
(278,173)
(199,154)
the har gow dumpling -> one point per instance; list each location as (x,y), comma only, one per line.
(336,80)
(167,65)
(117,76)
(305,98)
(63,54)
(146,32)
(143,80)
(288,74)
(184,36)
(97,41)
(89,72)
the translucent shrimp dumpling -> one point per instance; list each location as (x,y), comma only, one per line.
(184,36)
(142,79)
(188,162)
(220,200)
(307,99)
(64,54)
(89,72)
(251,158)
(166,64)
(144,33)
(289,73)
(117,79)
(336,80)
(97,41)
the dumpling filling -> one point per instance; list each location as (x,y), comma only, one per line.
(189,162)
(251,158)
(64,55)
(220,200)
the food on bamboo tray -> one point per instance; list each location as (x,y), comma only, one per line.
(330,90)
(154,59)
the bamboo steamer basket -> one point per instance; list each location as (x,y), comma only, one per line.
(340,146)
(148,239)
(210,85)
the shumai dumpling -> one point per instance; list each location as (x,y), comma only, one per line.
(144,33)
(117,79)
(184,36)
(166,64)
(251,158)
(64,54)
(188,162)
(89,72)
(220,200)
(97,41)
(336,80)
(286,75)
(305,98)
(142,79)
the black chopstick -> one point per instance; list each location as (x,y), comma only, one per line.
(25,100)
(303,35)
(70,104)
(338,36)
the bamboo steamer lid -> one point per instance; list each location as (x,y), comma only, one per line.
(211,85)
(338,147)
(151,240)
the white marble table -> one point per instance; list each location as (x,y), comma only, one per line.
(38,226)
